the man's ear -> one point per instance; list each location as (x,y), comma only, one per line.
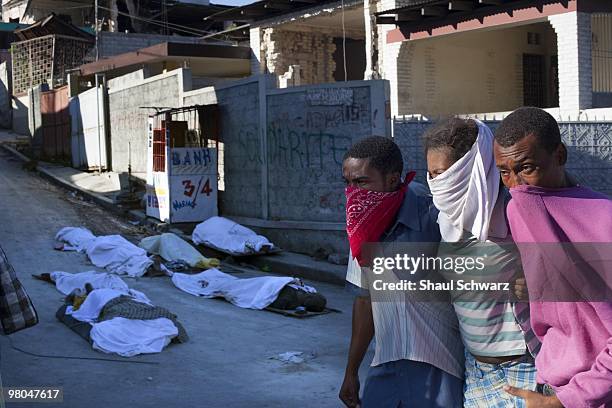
(561,154)
(394,178)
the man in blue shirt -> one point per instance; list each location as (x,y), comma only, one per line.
(419,356)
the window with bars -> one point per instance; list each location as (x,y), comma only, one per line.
(159,149)
(533,80)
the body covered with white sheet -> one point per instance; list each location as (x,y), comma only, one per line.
(125,337)
(229,236)
(112,252)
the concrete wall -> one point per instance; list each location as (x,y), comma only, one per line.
(309,131)
(128,122)
(478,71)
(256,51)
(118,43)
(282,148)
(312,50)
(35,119)
(239,105)
(127,80)
(198,82)
(293,193)
(6,111)
(21,106)
(589,160)
(575,62)
(88,147)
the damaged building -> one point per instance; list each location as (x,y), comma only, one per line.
(128,25)
(306,42)
(497,55)
(161,16)
(45,51)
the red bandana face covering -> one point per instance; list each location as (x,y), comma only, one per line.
(370,213)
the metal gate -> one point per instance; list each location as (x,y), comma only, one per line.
(55,125)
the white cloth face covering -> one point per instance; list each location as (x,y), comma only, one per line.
(466,193)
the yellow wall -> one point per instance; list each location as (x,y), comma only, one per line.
(478,71)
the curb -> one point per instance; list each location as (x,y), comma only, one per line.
(301,266)
(283,263)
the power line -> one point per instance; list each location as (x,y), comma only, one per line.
(229,30)
(97,46)
(165,23)
(165,16)
(189,30)
(176,27)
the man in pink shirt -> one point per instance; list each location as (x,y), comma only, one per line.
(575,362)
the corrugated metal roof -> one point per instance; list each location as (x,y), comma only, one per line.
(425,14)
(49,26)
(262,10)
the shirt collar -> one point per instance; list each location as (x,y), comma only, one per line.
(409,213)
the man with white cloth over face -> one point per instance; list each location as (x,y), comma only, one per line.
(466,188)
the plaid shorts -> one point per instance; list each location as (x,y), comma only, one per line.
(484,382)
(16,309)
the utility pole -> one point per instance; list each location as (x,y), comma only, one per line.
(98,90)
(371,41)
(96,28)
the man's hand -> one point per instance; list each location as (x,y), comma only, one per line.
(533,399)
(361,336)
(349,392)
(520,289)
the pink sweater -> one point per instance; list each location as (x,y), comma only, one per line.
(576,354)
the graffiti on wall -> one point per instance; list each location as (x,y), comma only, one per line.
(308,134)
(329,96)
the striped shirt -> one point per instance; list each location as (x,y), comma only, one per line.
(409,330)
(489,327)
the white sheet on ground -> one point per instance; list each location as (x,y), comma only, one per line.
(78,239)
(125,337)
(113,252)
(171,247)
(93,305)
(128,337)
(228,236)
(250,293)
(67,282)
(97,299)
(118,255)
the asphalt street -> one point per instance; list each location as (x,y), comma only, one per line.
(228,361)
